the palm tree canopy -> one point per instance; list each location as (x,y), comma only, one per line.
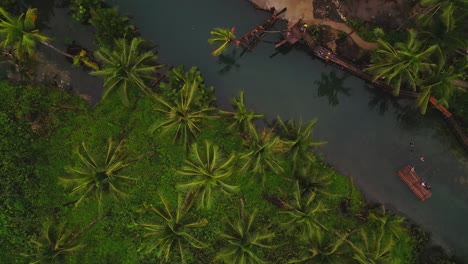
(209,169)
(263,153)
(183,115)
(299,137)
(172,230)
(125,67)
(54,242)
(302,212)
(242,117)
(404,62)
(99,176)
(20,33)
(243,238)
(223,36)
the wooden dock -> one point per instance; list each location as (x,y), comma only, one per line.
(292,35)
(414,183)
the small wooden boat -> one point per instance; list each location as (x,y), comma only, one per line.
(419,187)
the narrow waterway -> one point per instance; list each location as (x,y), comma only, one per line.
(368,132)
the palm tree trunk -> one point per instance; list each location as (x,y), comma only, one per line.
(84,229)
(57,50)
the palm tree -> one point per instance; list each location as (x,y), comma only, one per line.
(263,153)
(439,85)
(447,11)
(223,36)
(99,176)
(387,221)
(55,241)
(300,138)
(183,116)
(373,248)
(324,248)
(405,62)
(178,77)
(125,67)
(172,229)
(243,238)
(312,179)
(20,33)
(209,169)
(242,117)
(303,211)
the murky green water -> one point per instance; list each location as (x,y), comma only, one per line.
(368,132)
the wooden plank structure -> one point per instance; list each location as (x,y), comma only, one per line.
(292,35)
(251,39)
(409,176)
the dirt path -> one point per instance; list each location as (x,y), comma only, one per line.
(304,9)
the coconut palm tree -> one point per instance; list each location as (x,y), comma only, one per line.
(243,237)
(300,138)
(20,33)
(223,36)
(387,221)
(54,242)
(184,115)
(125,67)
(373,248)
(263,153)
(447,11)
(302,212)
(404,62)
(209,169)
(242,117)
(172,230)
(313,179)
(439,85)
(99,176)
(324,248)
(178,77)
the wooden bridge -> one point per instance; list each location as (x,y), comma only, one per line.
(409,176)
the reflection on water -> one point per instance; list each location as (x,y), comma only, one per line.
(381,100)
(228,61)
(330,85)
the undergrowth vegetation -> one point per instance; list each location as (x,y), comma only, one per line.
(43,127)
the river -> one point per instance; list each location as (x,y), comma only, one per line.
(368,132)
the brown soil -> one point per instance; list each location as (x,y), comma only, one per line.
(382,13)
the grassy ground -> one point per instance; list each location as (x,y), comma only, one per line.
(66,122)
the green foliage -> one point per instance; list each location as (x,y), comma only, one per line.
(299,138)
(183,116)
(99,176)
(54,242)
(210,170)
(173,231)
(242,118)
(110,25)
(81,9)
(223,36)
(403,62)
(262,152)
(373,247)
(302,212)
(178,78)
(244,237)
(325,248)
(364,31)
(125,67)
(19,33)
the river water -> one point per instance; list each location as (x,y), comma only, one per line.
(368,132)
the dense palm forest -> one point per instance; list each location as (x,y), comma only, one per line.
(159,174)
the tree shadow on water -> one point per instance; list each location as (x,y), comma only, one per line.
(331,85)
(228,62)
(381,100)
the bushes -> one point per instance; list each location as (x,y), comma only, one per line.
(81,9)
(110,25)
